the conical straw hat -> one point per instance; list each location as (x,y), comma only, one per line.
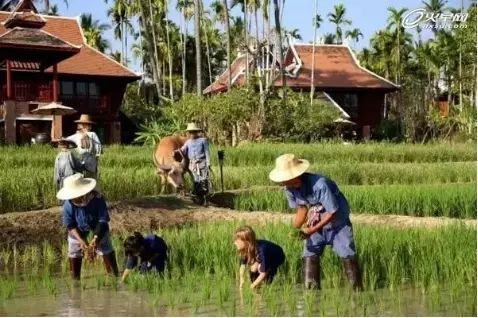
(288,167)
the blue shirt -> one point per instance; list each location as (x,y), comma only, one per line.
(85,218)
(152,245)
(269,255)
(196,149)
(317,189)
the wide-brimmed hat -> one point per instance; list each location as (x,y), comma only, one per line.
(288,167)
(69,143)
(193,127)
(76,186)
(85,119)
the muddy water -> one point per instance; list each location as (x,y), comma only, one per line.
(76,301)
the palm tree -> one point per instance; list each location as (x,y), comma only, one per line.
(244,8)
(316,22)
(338,18)
(354,34)
(197,31)
(93,31)
(47,4)
(329,38)
(222,13)
(279,49)
(122,26)
(53,11)
(294,34)
(395,22)
(433,7)
(186,7)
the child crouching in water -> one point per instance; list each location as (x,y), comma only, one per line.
(262,257)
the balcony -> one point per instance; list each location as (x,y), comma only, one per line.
(24,91)
(94,105)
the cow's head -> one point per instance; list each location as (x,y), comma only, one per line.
(175,175)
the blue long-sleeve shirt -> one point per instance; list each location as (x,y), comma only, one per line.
(196,149)
(86,218)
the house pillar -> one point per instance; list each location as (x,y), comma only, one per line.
(10,122)
(9,80)
(115,132)
(57,122)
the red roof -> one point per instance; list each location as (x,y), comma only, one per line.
(88,61)
(335,67)
(238,67)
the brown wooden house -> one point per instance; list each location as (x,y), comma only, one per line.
(357,92)
(45,59)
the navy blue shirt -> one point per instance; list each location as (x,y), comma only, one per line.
(154,246)
(269,255)
(320,190)
(85,218)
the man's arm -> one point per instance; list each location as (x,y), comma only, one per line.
(74,232)
(326,219)
(300,216)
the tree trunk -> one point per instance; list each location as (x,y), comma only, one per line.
(125,44)
(170,59)
(154,67)
(279,49)
(197,30)
(208,54)
(312,71)
(228,44)
(122,41)
(155,44)
(184,37)
(246,36)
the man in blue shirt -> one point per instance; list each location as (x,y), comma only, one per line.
(196,149)
(324,211)
(85,211)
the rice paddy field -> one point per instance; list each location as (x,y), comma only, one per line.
(405,272)
(417,271)
(431,180)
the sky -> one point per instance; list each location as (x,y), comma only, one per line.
(367,15)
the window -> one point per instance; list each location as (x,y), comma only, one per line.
(94,89)
(81,89)
(67,88)
(351,105)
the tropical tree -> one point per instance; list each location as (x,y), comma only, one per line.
(354,34)
(338,18)
(434,7)
(329,38)
(197,31)
(186,7)
(93,31)
(119,14)
(395,23)
(294,34)
(48,6)
(221,12)
(317,20)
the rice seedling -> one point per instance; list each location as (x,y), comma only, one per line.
(8,288)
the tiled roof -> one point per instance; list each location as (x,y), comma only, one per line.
(33,38)
(238,67)
(335,67)
(88,61)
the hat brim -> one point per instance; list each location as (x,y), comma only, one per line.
(70,144)
(197,129)
(84,122)
(278,175)
(87,185)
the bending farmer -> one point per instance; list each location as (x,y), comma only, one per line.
(85,211)
(324,210)
(151,250)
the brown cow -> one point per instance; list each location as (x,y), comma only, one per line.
(168,167)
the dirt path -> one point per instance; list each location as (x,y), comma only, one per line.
(153,213)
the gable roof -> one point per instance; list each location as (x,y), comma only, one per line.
(238,67)
(34,38)
(335,67)
(88,61)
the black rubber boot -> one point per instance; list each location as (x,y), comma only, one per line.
(75,268)
(311,272)
(352,272)
(111,265)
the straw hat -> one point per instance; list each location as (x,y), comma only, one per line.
(76,186)
(288,167)
(85,119)
(193,127)
(69,143)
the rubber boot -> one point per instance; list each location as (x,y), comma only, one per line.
(110,264)
(352,272)
(75,268)
(311,271)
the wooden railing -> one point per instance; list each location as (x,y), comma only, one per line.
(24,91)
(99,105)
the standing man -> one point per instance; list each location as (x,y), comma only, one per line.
(89,146)
(196,149)
(65,164)
(324,211)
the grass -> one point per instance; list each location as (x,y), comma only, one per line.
(127,172)
(450,200)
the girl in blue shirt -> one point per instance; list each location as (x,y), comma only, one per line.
(262,257)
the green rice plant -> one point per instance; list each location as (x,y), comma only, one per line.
(453,200)
(8,288)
